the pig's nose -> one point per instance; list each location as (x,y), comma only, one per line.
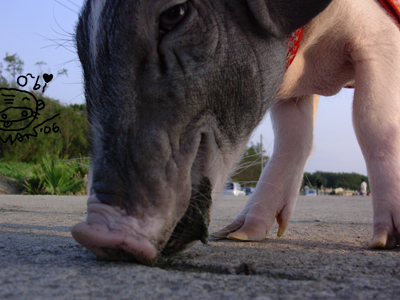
(110,233)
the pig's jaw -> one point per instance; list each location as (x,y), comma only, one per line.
(194,224)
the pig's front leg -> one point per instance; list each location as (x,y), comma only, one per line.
(278,188)
(376,117)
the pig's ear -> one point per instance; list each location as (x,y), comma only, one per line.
(281,17)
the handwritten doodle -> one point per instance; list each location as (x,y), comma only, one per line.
(19,110)
(46,77)
(25,78)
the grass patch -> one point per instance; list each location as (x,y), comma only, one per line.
(14,169)
(56,177)
(50,176)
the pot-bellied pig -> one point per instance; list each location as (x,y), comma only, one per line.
(174,89)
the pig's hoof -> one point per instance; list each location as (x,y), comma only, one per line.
(384,240)
(221,234)
(241,232)
(247,237)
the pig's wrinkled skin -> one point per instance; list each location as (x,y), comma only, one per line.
(172,101)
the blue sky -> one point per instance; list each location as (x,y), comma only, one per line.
(32,29)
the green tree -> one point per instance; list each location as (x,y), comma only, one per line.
(349,181)
(14,66)
(248,170)
(62,72)
(40,64)
(3,80)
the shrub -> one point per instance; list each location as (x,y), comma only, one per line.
(55,177)
(14,169)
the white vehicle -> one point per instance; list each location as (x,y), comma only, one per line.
(312,192)
(233,189)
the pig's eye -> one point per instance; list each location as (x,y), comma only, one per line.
(170,18)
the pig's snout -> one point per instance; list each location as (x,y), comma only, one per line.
(109,232)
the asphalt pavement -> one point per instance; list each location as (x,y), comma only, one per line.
(323,255)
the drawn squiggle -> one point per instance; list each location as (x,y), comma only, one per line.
(20,137)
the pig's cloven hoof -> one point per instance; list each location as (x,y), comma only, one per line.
(382,239)
(249,227)
(241,232)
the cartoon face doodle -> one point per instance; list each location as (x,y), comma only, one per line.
(18,109)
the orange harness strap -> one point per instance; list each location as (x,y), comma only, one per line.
(294,40)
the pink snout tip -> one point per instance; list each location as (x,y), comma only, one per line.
(110,238)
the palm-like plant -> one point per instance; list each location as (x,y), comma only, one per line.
(52,177)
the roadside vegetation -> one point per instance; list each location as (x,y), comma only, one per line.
(52,159)
(347,181)
(248,172)
(56,177)
(14,169)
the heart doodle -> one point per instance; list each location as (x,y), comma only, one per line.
(47,77)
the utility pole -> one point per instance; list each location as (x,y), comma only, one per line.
(262,155)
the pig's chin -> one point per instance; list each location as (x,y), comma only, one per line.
(194,224)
